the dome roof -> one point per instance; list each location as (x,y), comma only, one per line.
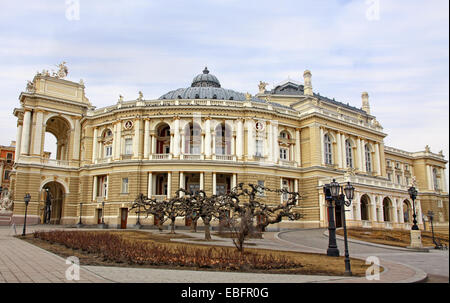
(205,86)
(205,79)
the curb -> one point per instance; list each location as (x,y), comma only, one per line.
(425,249)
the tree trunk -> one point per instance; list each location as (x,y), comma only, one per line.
(172,229)
(207,231)
(194,225)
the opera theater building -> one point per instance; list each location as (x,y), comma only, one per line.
(208,137)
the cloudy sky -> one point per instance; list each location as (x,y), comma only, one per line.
(395,50)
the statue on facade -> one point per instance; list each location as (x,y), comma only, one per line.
(248,96)
(141,96)
(6,201)
(262,87)
(120,99)
(48,207)
(427,148)
(413,181)
(62,71)
(31,88)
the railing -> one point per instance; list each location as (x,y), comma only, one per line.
(104,160)
(366,224)
(191,157)
(54,162)
(287,163)
(388,225)
(224,157)
(161,156)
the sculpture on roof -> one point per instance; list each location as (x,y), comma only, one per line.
(120,99)
(31,88)
(427,148)
(262,87)
(141,96)
(248,96)
(62,71)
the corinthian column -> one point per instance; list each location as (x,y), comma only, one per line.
(146,139)
(208,138)
(25,142)
(239,140)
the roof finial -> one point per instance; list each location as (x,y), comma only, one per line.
(206,71)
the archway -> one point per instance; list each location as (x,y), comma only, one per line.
(53,193)
(365,202)
(223,139)
(407,212)
(387,214)
(162,138)
(60,129)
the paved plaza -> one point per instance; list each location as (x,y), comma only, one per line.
(23,262)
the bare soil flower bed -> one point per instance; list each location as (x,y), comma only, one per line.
(145,249)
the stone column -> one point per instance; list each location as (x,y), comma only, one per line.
(37,143)
(94,146)
(214,180)
(250,140)
(430,177)
(176,138)
(358,207)
(94,189)
(395,209)
(343,151)
(214,143)
(269,143)
(400,206)
(169,184)
(443,180)
(182,183)
(363,155)
(137,139)
(339,149)
(322,151)
(18,142)
(240,140)
(183,143)
(373,209)
(202,181)
(276,147)
(146,139)
(77,139)
(298,154)
(234,181)
(208,138)
(358,159)
(378,159)
(25,142)
(118,140)
(153,147)
(150,185)
(419,211)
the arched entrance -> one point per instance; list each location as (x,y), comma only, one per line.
(365,202)
(53,194)
(387,205)
(407,212)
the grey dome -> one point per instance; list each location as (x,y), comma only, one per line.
(204,93)
(205,79)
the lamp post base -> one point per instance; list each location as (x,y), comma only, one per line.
(416,239)
(333,252)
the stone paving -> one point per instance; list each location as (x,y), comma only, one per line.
(24,262)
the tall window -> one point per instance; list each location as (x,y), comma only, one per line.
(102,186)
(259,148)
(193,139)
(283,154)
(223,139)
(368,158)
(125,185)
(128,146)
(435,179)
(108,150)
(9,157)
(348,153)
(327,148)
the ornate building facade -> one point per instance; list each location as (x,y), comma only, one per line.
(211,138)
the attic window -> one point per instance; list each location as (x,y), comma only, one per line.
(231,98)
(197,96)
(214,96)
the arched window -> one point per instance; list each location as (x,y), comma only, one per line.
(327,149)
(368,158)
(192,139)
(365,202)
(348,153)
(435,179)
(107,139)
(223,139)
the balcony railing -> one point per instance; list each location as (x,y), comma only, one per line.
(191,157)
(161,156)
(287,163)
(224,157)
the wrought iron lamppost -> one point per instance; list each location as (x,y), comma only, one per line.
(413,194)
(103,214)
(349,191)
(26,199)
(431,216)
(331,191)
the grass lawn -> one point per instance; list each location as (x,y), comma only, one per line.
(303,263)
(401,238)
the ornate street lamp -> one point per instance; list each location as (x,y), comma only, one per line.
(329,190)
(413,194)
(335,192)
(27,199)
(431,216)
